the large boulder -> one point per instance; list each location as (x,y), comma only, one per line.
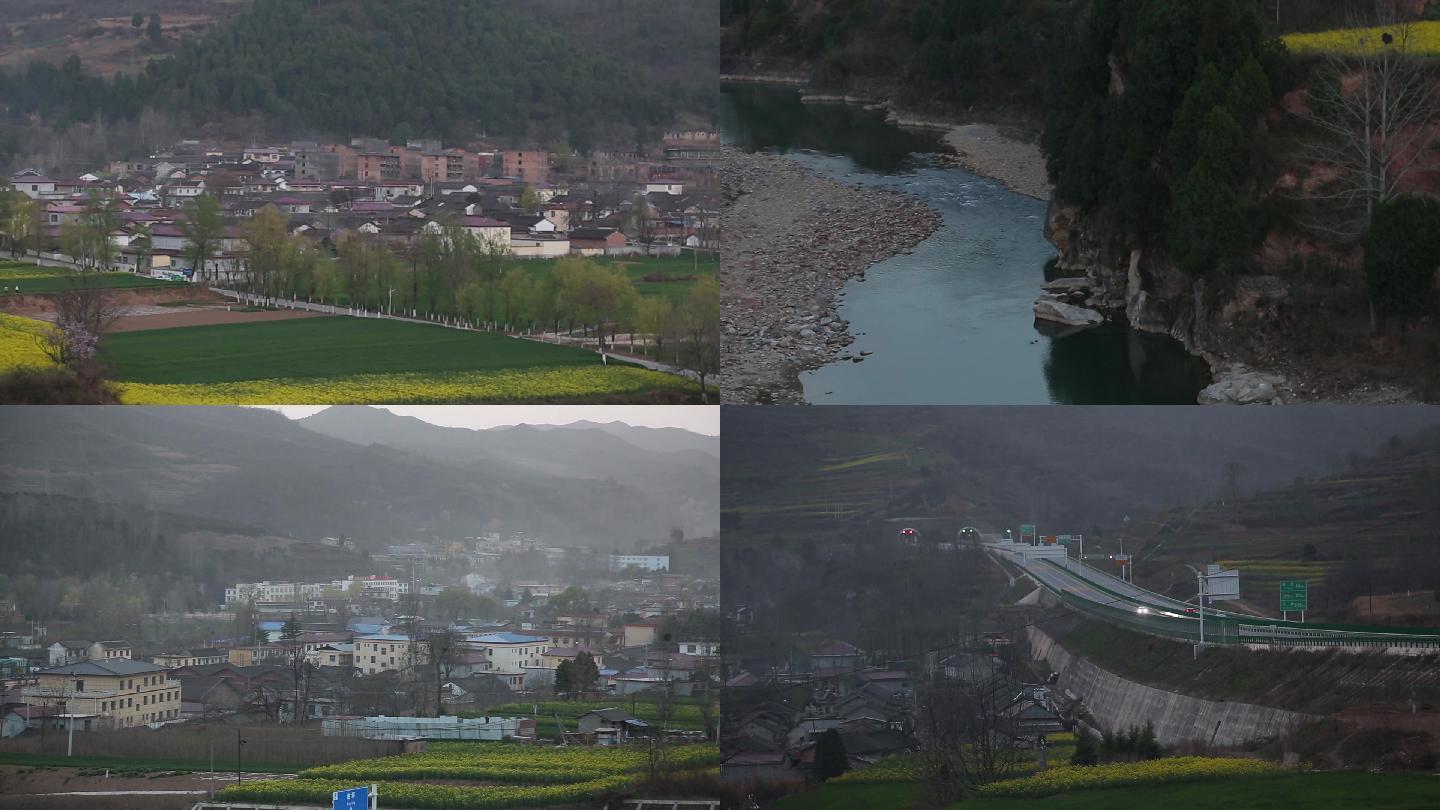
(1067,284)
(1051,308)
(1239,385)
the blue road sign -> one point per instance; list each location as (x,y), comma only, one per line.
(352,799)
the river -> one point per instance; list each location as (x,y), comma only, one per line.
(953,321)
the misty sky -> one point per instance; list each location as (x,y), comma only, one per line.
(697,418)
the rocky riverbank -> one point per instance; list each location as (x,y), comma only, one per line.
(792,240)
(1001,154)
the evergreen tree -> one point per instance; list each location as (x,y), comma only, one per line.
(291,629)
(564,678)
(830,757)
(1401,250)
(153,30)
(586,673)
(1086,751)
(1146,744)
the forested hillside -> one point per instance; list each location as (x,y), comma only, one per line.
(955,53)
(406,68)
(930,51)
(71,554)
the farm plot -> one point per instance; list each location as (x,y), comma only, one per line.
(357,360)
(518,776)
(24,278)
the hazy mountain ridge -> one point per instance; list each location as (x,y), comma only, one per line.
(571,451)
(259,468)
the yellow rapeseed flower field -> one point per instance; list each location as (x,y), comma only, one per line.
(1121,774)
(1423,40)
(511,385)
(20,342)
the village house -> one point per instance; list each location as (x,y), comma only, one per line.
(597,241)
(510,652)
(638,634)
(191,658)
(69,652)
(386,652)
(616,724)
(107,650)
(118,693)
(33,184)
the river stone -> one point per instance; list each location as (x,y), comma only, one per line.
(1050,308)
(1241,386)
(1066,284)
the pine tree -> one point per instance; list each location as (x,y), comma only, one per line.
(564,678)
(585,673)
(830,757)
(1400,256)
(1086,752)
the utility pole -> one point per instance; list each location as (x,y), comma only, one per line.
(1200,599)
(239,743)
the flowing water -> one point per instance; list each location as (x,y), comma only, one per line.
(952,322)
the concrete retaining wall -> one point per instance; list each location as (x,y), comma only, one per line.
(1117,703)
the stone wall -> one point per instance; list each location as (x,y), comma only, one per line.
(1117,703)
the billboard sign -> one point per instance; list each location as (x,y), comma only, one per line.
(1294,595)
(1222,584)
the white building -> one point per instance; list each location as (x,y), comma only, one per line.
(700,648)
(272,591)
(510,655)
(383,652)
(658,562)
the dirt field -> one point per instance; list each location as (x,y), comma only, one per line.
(42,307)
(201,316)
(29,787)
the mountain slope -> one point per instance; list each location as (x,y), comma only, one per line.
(399,69)
(1368,529)
(1068,469)
(259,468)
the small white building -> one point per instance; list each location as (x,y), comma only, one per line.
(648,562)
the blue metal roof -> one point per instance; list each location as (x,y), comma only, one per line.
(508,638)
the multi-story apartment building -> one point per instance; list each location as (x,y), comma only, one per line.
(118,693)
(384,652)
(528,165)
(272,591)
(449,166)
(372,167)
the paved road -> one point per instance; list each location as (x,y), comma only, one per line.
(1124,603)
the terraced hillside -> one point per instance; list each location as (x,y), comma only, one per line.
(1367,532)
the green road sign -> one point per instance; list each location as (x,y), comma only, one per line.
(1027,528)
(1294,594)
